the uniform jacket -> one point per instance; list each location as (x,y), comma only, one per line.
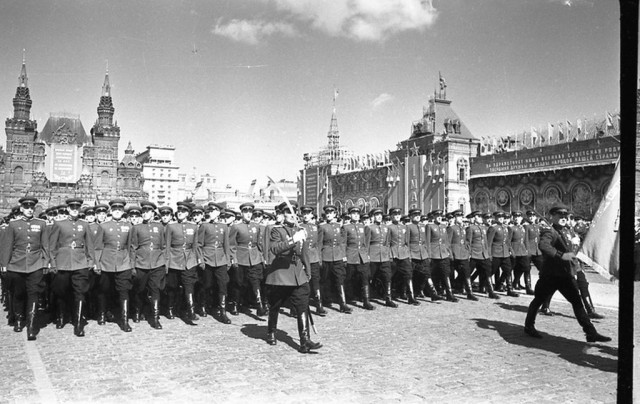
(554,242)
(460,248)
(266,251)
(112,246)
(499,237)
(533,238)
(379,243)
(290,266)
(147,244)
(71,245)
(181,250)
(418,241)
(25,246)
(245,244)
(312,242)
(399,241)
(213,241)
(331,243)
(477,240)
(519,240)
(438,241)
(356,236)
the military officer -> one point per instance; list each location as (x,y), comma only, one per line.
(334,258)
(558,274)
(380,265)
(288,278)
(314,256)
(114,263)
(247,261)
(461,252)
(499,238)
(420,256)
(213,241)
(521,259)
(166,215)
(440,252)
(147,249)
(24,254)
(533,237)
(72,255)
(401,254)
(480,254)
(356,236)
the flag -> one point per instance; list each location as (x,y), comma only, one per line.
(549,132)
(609,121)
(534,136)
(569,130)
(560,132)
(600,248)
(335,94)
(443,83)
(579,126)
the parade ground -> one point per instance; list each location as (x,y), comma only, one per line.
(438,352)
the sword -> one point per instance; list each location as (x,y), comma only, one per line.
(297,225)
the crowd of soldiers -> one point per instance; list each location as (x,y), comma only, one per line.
(113,264)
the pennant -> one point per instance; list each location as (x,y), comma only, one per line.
(560,132)
(549,132)
(534,136)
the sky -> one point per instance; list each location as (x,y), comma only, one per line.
(243,88)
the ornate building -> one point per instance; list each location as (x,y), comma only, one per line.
(62,160)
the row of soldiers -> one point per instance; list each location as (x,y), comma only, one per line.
(201,255)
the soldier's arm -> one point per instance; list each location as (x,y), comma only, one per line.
(44,243)
(233,243)
(94,247)
(449,234)
(279,242)
(7,247)
(53,244)
(196,246)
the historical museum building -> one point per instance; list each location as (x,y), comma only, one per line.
(62,160)
(444,166)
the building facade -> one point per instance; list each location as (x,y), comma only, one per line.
(62,160)
(160,173)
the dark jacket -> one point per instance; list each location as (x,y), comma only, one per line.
(290,266)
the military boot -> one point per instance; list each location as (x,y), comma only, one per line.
(190,314)
(78,328)
(202,302)
(433,294)
(60,314)
(387,297)
(490,292)
(31,322)
(591,311)
(527,283)
(344,308)
(11,315)
(137,308)
(448,292)
(319,309)
(410,298)
(101,309)
(171,307)
(19,323)
(366,304)
(155,315)
(272,326)
(262,311)
(124,316)
(306,345)
(510,291)
(467,288)
(223,310)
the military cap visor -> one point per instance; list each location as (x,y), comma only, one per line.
(330,208)
(74,202)
(375,212)
(499,213)
(558,211)
(413,212)
(28,200)
(247,205)
(213,205)
(457,212)
(165,210)
(354,209)
(395,211)
(134,210)
(148,205)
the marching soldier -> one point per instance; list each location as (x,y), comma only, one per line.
(440,253)
(401,254)
(213,241)
(166,215)
(182,257)
(24,254)
(460,252)
(480,259)
(114,263)
(380,265)
(420,256)
(559,274)
(147,243)
(356,236)
(520,259)
(331,242)
(288,278)
(72,255)
(499,238)
(314,256)
(247,260)
(533,237)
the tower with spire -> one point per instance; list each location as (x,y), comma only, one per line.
(130,180)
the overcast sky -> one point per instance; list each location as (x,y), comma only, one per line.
(243,88)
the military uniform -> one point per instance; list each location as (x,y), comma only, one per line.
(314,261)
(213,241)
(24,253)
(332,251)
(499,238)
(480,255)
(461,253)
(401,255)
(521,259)
(379,254)
(356,236)
(440,253)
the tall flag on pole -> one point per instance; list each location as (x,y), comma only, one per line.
(534,136)
(550,132)
(560,132)
(600,248)
(569,130)
(579,125)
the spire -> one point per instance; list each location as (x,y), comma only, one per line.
(106,87)
(22,100)
(334,133)
(22,79)
(129,149)
(105,108)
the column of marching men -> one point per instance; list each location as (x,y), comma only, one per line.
(114,264)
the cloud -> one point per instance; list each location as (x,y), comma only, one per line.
(363,20)
(381,99)
(252,31)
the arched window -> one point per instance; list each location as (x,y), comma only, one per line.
(18,175)
(104,179)
(462,170)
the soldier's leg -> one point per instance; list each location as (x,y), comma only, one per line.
(545,287)
(102,289)
(568,289)
(299,297)
(339,273)
(171,287)
(419,279)
(405,270)
(221,280)
(276,295)
(203,290)
(316,288)
(484,269)
(583,286)
(188,278)
(526,270)
(60,286)
(254,276)
(154,284)
(123,284)
(463,265)
(365,279)
(138,292)
(348,282)
(35,286)
(80,286)
(325,283)
(16,283)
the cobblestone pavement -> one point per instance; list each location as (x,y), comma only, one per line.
(438,352)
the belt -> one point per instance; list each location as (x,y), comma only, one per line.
(189,246)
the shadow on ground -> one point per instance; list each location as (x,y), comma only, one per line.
(256,331)
(574,351)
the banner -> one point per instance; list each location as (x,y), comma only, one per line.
(601,246)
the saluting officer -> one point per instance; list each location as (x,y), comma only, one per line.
(476,234)
(499,238)
(72,255)
(147,243)
(420,256)
(440,253)
(314,256)
(213,241)
(460,251)
(379,254)
(114,263)
(356,236)
(520,260)
(331,242)
(247,261)
(24,253)
(401,254)
(182,260)
(288,278)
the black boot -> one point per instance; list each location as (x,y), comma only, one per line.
(306,345)
(101,310)
(510,291)
(233,309)
(190,314)
(11,315)
(594,336)
(343,301)
(262,311)
(31,322)
(155,315)
(420,292)
(202,302)
(319,309)
(272,326)
(431,290)
(124,316)
(137,309)
(223,310)
(19,323)
(448,292)
(366,304)
(591,311)
(171,307)
(527,284)
(489,287)
(387,297)
(410,299)
(467,288)
(78,329)
(60,314)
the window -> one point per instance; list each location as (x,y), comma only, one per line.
(461,175)
(18,175)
